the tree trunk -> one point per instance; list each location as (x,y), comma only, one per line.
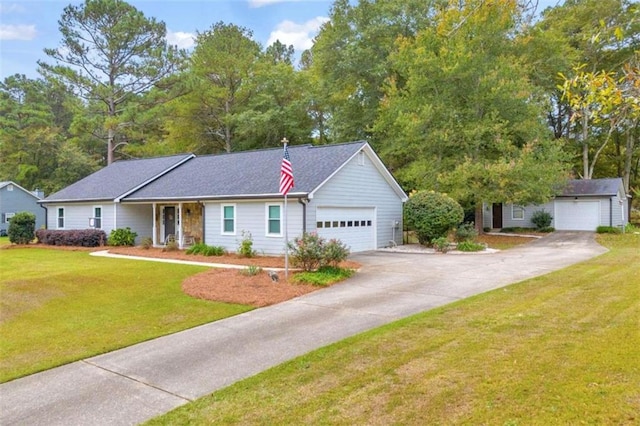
(110,148)
(585,147)
(628,154)
(479,218)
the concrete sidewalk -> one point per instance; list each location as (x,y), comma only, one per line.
(137,383)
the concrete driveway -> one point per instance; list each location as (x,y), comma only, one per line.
(137,383)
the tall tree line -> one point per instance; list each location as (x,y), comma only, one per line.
(481,99)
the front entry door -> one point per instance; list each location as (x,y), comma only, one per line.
(169,222)
(497,215)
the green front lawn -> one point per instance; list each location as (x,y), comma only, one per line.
(59,306)
(558,349)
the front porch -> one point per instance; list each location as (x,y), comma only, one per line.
(179,222)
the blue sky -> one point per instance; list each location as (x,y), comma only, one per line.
(27,27)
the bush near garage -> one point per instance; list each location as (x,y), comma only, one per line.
(311,252)
(78,238)
(432,215)
(541,219)
(22,228)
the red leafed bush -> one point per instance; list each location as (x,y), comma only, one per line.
(75,237)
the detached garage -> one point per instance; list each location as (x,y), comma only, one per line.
(583,205)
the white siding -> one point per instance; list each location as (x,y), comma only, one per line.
(138,217)
(357,185)
(251,217)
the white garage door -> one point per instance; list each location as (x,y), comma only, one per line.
(354,226)
(577,215)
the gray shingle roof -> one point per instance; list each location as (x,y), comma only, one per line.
(116,179)
(584,187)
(249,173)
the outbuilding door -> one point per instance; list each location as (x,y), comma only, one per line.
(577,215)
(354,226)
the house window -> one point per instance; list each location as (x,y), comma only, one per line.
(60,217)
(274,219)
(517,212)
(10,187)
(6,217)
(229,219)
(361,158)
(97,217)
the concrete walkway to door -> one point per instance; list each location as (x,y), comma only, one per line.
(137,383)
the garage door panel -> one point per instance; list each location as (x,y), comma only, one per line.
(577,215)
(354,226)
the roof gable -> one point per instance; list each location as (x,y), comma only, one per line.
(595,187)
(118,179)
(8,182)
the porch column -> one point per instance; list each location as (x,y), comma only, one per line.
(180,226)
(154,227)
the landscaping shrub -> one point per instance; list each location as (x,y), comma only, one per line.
(466,232)
(541,219)
(146,243)
(547,229)
(441,244)
(245,248)
(122,237)
(22,228)
(324,276)
(311,252)
(76,237)
(608,230)
(251,270)
(470,246)
(205,250)
(432,215)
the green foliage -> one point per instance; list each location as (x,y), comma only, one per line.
(245,248)
(441,244)
(541,219)
(311,252)
(251,270)
(146,243)
(432,215)
(324,276)
(608,230)
(468,245)
(547,229)
(466,232)
(206,250)
(122,237)
(22,228)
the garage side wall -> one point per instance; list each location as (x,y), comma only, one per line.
(360,184)
(508,220)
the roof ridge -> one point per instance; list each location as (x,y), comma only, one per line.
(154,157)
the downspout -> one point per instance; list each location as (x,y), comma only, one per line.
(611,212)
(46,216)
(204,224)
(304,202)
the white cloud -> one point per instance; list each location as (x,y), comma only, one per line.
(181,39)
(11,8)
(260,3)
(299,35)
(17,32)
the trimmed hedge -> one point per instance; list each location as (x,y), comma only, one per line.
(432,215)
(78,238)
(21,228)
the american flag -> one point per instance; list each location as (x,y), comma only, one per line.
(286,173)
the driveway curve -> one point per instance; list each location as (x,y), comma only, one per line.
(140,382)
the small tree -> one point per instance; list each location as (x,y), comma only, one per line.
(432,215)
(22,228)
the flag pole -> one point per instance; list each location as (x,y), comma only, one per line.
(286,233)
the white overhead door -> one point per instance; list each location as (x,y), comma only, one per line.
(577,215)
(354,226)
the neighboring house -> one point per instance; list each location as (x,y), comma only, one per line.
(583,205)
(341,191)
(15,199)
